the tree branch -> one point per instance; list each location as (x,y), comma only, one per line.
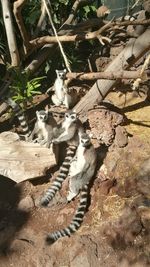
(110,75)
(7,17)
(135,49)
(17,8)
(38,42)
(41,19)
(43,54)
(73,12)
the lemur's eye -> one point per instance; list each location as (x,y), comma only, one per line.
(67,116)
(72,117)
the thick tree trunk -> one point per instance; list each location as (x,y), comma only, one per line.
(135,49)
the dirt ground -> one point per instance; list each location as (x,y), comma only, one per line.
(116,229)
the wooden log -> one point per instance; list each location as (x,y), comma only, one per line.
(135,49)
(122,74)
(21,160)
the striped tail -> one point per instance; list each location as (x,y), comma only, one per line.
(20,115)
(63,173)
(76,221)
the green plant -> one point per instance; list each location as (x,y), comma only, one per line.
(22,88)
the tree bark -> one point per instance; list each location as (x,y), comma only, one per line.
(21,160)
(7,17)
(108,75)
(135,49)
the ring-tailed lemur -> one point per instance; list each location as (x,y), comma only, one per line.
(43,129)
(20,115)
(68,131)
(61,96)
(63,173)
(81,171)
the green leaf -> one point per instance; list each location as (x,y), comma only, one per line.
(93,8)
(86,9)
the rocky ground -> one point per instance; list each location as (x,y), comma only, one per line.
(116,229)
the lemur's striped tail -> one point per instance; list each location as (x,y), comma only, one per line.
(76,221)
(63,173)
(20,115)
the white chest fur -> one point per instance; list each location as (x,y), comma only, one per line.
(43,130)
(77,166)
(59,88)
(66,124)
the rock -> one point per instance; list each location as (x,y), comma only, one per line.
(103,123)
(121,137)
(26,203)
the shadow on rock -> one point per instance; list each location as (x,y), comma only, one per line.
(12,218)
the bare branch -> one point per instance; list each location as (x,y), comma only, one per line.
(18,5)
(110,75)
(41,19)
(56,35)
(73,11)
(46,51)
(38,42)
(7,17)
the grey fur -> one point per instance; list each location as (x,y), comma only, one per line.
(43,129)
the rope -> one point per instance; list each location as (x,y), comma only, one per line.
(56,35)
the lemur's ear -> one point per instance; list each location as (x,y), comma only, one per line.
(65,70)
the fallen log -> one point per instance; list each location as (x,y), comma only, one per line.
(21,160)
(135,49)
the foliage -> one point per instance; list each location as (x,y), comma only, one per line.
(22,88)
(31,13)
(62,8)
(60,11)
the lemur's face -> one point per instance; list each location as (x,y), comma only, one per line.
(71,116)
(42,115)
(85,140)
(61,74)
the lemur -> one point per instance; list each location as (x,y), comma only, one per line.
(68,131)
(61,96)
(43,129)
(81,171)
(20,115)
